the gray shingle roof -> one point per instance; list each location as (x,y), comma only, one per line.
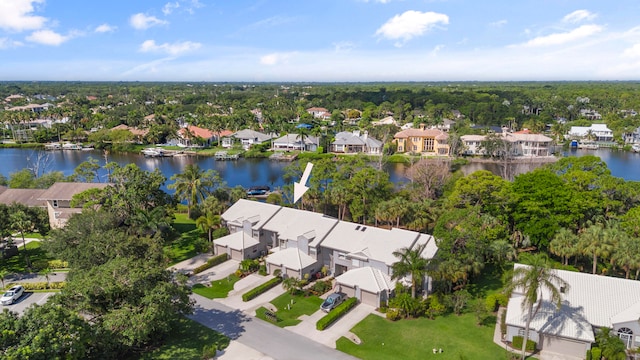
(66,190)
(28,197)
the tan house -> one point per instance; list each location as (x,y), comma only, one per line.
(422,141)
(58,200)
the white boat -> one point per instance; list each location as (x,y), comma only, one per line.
(587,145)
(635,147)
(52,146)
(71,146)
(153,152)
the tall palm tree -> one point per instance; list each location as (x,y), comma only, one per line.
(208,222)
(411,263)
(594,241)
(564,244)
(21,222)
(533,281)
(194,185)
(626,254)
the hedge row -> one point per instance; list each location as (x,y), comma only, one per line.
(517,343)
(336,313)
(258,290)
(58,264)
(40,285)
(216,260)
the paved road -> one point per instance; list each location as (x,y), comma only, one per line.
(35,277)
(277,343)
(26,300)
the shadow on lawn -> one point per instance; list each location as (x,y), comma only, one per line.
(229,323)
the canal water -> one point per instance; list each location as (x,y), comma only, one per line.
(251,172)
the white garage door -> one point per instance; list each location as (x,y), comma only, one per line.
(293,273)
(271,268)
(236,255)
(221,249)
(351,292)
(563,346)
(369,298)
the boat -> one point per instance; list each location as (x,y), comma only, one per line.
(52,146)
(258,190)
(588,145)
(635,147)
(71,146)
(153,152)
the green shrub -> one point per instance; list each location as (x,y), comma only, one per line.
(589,355)
(491,303)
(263,270)
(320,287)
(58,264)
(277,272)
(216,260)
(336,313)
(435,307)
(258,290)
(502,299)
(517,343)
(394,314)
(249,265)
(30,286)
(209,351)
(596,353)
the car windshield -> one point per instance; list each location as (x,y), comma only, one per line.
(329,301)
(8,293)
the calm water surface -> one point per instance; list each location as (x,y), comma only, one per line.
(251,172)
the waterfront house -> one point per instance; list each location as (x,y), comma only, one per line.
(355,143)
(247,137)
(295,142)
(520,144)
(422,141)
(598,132)
(27,197)
(590,302)
(194,136)
(138,134)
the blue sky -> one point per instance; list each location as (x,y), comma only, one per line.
(319,40)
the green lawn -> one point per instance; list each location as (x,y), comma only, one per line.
(184,246)
(17,264)
(458,336)
(301,306)
(186,342)
(218,289)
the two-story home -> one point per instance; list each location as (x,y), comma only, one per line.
(589,303)
(422,141)
(520,144)
(353,143)
(319,113)
(295,142)
(58,200)
(598,132)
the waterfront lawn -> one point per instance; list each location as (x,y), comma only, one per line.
(301,306)
(185,245)
(186,342)
(218,289)
(458,336)
(37,255)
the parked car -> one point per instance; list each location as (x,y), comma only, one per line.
(332,301)
(12,295)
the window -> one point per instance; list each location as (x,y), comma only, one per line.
(521,333)
(342,255)
(55,203)
(355,262)
(626,335)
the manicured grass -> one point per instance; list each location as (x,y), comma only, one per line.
(218,289)
(489,281)
(186,342)
(17,264)
(184,246)
(33,235)
(301,306)
(458,337)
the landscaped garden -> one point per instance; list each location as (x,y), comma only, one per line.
(38,257)
(458,336)
(290,308)
(184,246)
(218,289)
(187,341)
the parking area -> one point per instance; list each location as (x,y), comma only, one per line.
(27,299)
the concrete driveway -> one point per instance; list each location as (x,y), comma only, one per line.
(341,327)
(27,299)
(218,272)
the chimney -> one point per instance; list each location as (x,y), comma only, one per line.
(422,126)
(366,135)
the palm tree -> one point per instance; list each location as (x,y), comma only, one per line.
(208,222)
(595,242)
(411,263)
(627,254)
(564,244)
(3,274)
(291,284)
(533,280)
(46,273)
(21,222)
(194,185)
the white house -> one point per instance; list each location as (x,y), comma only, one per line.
(521,144)
(600,131)
(591,302)
(247,138)
(294,142)
(352,142)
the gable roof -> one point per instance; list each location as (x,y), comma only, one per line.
(290,223)
(251,134)
(196,131)
(257,213)
(238,240)
(28,197)
(291,258)
(354,138)
(372,243)
(66,190)
(368,279)
(428,133)
(600,301)
(295,139)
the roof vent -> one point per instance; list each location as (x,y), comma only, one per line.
(562,289)
(358,227)
(363,228)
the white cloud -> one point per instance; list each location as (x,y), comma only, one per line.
(275,58)
(578,16)
(498,24)
(48,37)
(171,49)
(343,46)
(410,24)
(141,21)
(16,15)
(6,43)
(169,7)
(105,28)
(437,49)
(581,32)
(632,52)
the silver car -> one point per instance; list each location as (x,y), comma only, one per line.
(332,301)
(12,295)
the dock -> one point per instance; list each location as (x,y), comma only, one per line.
(280,156)
(223,155)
